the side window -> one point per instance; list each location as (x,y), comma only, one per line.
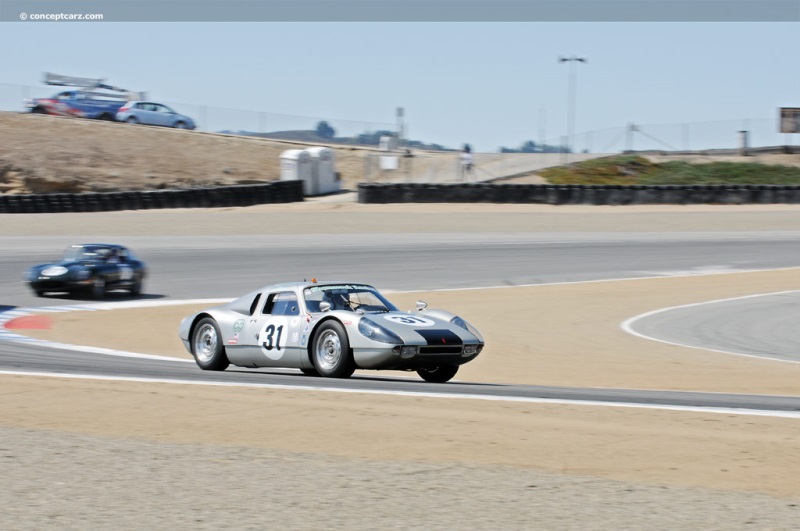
(283,303)
(254,304)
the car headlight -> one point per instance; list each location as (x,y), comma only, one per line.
(458,321)
(55,271)
(374,331)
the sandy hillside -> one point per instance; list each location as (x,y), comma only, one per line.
(41,154)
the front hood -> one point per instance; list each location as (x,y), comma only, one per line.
(421,328)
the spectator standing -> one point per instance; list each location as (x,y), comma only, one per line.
(466,161)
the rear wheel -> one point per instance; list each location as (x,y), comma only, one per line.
(309,372)
(207,346)
(132,120)
(438,374)
(331,351)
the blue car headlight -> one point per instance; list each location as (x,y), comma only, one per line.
(55,271)
(374,331)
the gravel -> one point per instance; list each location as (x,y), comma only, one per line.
(79,482)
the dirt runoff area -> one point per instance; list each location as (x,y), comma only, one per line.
(82,453)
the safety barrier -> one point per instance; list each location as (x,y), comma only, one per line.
(223,196)
(577,194)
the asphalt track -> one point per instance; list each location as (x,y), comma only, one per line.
(189,267)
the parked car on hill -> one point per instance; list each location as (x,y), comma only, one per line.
(329,329)
(91,268)
(151,113)
(75,103)
(93,98)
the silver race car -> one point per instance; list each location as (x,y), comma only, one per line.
(329,329)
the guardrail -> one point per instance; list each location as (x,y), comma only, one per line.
(577,194)
(223,196)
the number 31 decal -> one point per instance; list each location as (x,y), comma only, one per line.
(410,320)
(267,338)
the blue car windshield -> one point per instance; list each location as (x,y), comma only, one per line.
(348,297)
(86,252)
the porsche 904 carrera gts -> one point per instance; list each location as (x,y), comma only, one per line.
(329,329)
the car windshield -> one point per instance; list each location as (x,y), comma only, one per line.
(348,297)
(86,252)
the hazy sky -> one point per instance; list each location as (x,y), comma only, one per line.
(489,84)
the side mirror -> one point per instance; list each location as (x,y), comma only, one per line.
(421,305)
(324,306)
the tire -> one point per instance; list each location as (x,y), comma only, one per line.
(180,125)
(132,120)
(39,292)
(438,374)
(309,372)
(99,288)
(331,351)
(38,110)
(207,349)
(106,117)
(136,288)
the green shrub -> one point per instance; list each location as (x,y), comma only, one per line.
(636,170)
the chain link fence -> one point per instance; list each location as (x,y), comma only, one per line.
(418,166)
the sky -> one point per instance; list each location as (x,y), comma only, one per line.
(486,84)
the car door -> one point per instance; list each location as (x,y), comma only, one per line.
(273,335)
(161,115)
(145,113)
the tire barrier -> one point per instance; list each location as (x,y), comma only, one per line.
(577,194)
(223,196)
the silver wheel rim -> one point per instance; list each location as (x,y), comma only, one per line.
(329,350)
(205,343)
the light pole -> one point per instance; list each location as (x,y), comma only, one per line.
(571,97)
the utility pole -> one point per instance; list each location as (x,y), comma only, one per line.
(571,98)
(542,128)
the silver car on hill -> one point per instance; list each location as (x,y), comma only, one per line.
(329,329)
(152,113)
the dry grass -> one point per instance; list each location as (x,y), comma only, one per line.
(40,154)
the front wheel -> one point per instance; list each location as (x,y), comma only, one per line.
(331,351)
(99,288)
(136,287)
(438,374)
(207,346)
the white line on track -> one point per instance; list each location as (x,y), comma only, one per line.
(628,325)
(418,394)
